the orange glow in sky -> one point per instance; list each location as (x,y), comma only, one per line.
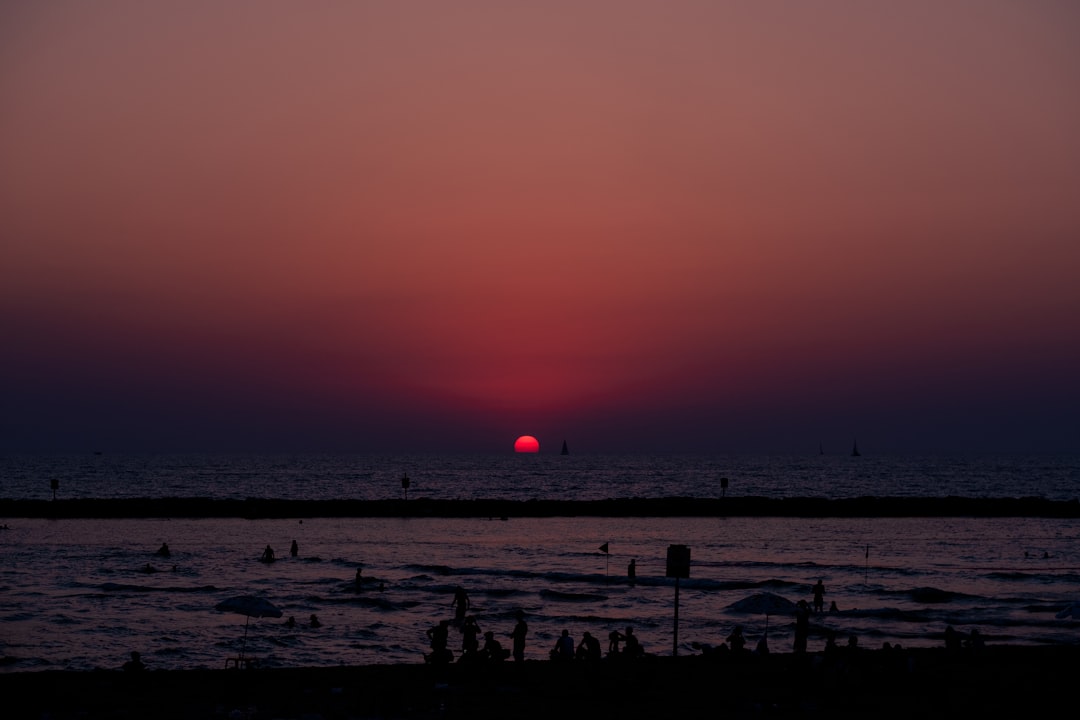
(640,226)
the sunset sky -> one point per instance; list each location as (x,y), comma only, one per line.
(637,226)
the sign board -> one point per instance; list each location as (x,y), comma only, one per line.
(678,561)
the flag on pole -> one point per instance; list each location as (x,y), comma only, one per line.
(603,548)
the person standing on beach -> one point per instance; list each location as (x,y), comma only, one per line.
(521,629)
(470,639)
(819,597)
(461,602)
(633,648)
(802,625)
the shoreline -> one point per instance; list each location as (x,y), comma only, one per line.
(743,506)
(877,683)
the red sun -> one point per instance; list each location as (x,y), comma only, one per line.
(526,444)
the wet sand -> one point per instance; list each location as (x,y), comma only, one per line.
(747,506)
(1030,681)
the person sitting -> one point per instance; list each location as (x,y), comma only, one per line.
(588,648)
(614,638)
(439,636)
(564,647)
(493,649)
(736,639)
(135,664)
(633,648)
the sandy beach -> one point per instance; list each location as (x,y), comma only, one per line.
(869,683)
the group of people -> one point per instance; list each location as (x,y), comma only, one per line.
(313,622)
(492,650)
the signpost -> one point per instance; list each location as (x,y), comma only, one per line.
(678,566)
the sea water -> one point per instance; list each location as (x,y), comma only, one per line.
(76,594)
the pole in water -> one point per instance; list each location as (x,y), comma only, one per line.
(678,566)
(405,484)
(675,636)
(866,568)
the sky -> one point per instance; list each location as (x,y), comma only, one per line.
(636,226)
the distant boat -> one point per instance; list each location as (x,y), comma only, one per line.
(565,450)
(855,450)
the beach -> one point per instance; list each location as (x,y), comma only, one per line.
(871,683)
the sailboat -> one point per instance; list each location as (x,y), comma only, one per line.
(855,450)
(565,450)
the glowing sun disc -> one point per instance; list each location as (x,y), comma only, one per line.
(526,444)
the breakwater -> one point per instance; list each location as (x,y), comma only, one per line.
(809,507)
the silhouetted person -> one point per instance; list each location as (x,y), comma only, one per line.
(359,580)
(291,622)
(762,645)
(294,550)
(830,644)
(819,596)
(268,554)
(163,551)
(493,649)
(564,647)
(633,648)
(461,602)
(521,629)
(148,569)
(975,640)
(833,608)
(315,621)
(631,570)
(470,639)
(135,664)
(439,635)
(953,639)
(736,639)
(614,638)
(588,648)
(802,625)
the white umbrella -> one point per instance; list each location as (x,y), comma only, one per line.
(251,607)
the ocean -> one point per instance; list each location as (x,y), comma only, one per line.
(77,594)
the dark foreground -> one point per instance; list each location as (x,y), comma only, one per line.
(1028,681)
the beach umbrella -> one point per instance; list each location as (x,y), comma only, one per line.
(1072,611)
(249,606)
(763,603)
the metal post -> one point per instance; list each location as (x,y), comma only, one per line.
(675,646)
